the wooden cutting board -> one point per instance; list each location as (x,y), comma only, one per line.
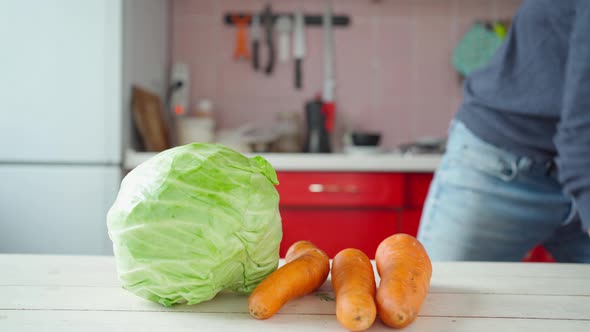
(148,116)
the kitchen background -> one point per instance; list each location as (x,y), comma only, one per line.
(393,67)
(73,125)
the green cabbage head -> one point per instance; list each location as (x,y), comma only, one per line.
(194,220)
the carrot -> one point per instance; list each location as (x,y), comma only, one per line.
(405,270)
(297,249)
(306,269)
(353,281)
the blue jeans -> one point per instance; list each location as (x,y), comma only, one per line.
(486,204)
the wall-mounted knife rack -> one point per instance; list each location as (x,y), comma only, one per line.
(311,20)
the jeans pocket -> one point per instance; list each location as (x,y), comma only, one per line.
(491,164)
(469,152)
(475,169)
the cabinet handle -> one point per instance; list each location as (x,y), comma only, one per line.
(333,188)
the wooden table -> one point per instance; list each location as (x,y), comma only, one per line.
(81,293)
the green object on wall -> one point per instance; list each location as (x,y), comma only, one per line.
(500,29)
(476,48)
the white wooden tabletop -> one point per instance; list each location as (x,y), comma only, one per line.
(82,293)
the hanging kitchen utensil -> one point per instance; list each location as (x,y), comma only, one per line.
(328,106)
(241,47)
(148,117)
(283,26)
(501,29)
(475,49)
(255,38)
(317,139)
(299,46)
(267,18)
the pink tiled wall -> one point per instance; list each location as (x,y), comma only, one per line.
(392,65)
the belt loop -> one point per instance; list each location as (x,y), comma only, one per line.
(513,171)
(572,214)
(550,168)
(525,163)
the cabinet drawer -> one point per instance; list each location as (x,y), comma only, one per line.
(335,229)
(340,189)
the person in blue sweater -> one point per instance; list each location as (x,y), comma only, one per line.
(516,171)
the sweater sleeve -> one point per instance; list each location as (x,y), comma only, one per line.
(573,131)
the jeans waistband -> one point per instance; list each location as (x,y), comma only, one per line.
(461,137)
(547,167)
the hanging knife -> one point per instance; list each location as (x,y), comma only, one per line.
(328,91)
(268,29)
(299,46)
(255,37)
(284,25)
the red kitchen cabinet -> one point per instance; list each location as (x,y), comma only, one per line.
(539,255)
(335,229)
(410,221)
(415,192)
(416,189)
(338,210)
(346,189)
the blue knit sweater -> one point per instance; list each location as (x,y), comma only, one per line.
(534,97)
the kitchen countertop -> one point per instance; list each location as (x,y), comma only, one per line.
(82,293)
(385,162)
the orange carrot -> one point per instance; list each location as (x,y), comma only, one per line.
(353,281)
(306,269)
(405,270)
(297,249)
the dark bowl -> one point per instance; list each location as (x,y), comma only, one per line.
(366,139)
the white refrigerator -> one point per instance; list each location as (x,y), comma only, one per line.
(60,124)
